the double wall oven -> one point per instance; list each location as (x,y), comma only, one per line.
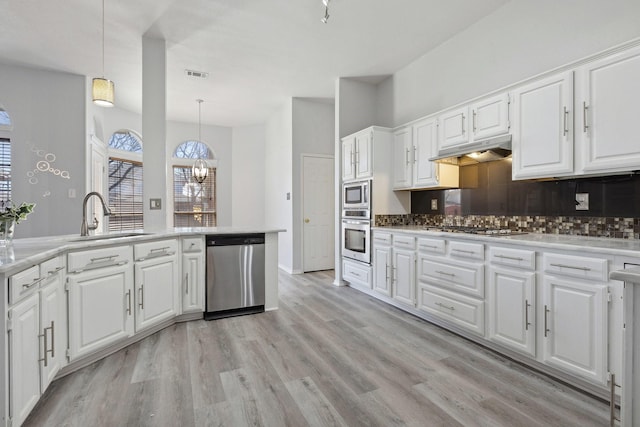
(356,221)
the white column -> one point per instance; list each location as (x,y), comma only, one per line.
(154,130)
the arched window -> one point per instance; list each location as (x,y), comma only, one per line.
(125,181)
(5,157)
(194,205)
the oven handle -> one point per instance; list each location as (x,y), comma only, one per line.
(356,222)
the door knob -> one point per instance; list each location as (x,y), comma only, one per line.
(306,220)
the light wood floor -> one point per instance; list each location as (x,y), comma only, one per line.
(329,356)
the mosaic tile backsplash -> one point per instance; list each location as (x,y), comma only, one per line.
(620,228)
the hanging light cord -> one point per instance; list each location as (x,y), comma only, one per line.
(103,38)
(200,101)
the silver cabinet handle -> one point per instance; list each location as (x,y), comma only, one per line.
(546,324)
(463,130)
(386,272)
(429,246)
(415,156)
(89,267)
(45,359)
(509,257)
(52,272)
(104,258)
(186,284)
(573,267)
(526,315)
(612,401)
(445,273)
(53,339)
(474,121)
(356,160)
(445,306)
(406,156)
(585,126)
(394,275)
(565,115)
(33,283)
(463,251)
(129,302)
(141,303)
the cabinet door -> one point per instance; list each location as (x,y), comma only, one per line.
(453,128)
(156,286)
(348,158)
(364,155)
(24,354)
(403,158)
(382,270)
(54,326)
(575,328)
(425,145)
(404,273)
(490,117)
(100,309)
(608,113)
(192,282)
(512,309)
(543,128)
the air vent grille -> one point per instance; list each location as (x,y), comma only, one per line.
(196,74)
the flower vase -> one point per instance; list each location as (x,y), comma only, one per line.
(7,227)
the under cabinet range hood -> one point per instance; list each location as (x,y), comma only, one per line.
(486,150)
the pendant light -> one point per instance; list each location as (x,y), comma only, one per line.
(103,90)
(200,170)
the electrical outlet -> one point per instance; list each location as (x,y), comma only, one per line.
(155,204)
(434,204)
(582,201)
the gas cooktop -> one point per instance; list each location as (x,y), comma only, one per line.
(474,230)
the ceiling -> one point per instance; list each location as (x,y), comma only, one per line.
(258,53)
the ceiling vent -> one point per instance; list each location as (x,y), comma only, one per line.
(196,74)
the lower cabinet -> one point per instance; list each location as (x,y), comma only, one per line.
(382,268)
(156,291)
(100,308)
(575,327)
(193,274)
(404,276)
(356,273)
(461,310)
(511,305)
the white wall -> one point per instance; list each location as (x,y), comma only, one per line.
(521,39)
(48,113)
(313,133)
(357,106)
(248,176)
(278,180)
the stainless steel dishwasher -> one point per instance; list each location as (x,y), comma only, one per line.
(235,275)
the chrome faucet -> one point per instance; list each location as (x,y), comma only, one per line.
(84,229)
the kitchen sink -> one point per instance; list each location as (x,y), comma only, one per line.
(107,236)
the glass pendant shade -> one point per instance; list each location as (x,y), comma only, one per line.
(103,92)
(200,171)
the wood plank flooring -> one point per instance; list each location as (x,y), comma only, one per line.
(328,357)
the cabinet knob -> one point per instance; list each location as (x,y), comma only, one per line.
(307,220)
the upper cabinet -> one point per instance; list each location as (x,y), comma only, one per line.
(357,155)
(543,128)
(413,146)
(483,119)
(607,113)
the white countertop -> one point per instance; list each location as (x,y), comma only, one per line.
(24,253)
(602,245)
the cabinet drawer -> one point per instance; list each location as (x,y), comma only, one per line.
(356,273)
(21,284)
(435,246)
(513,257)
(404,242)
(193,244)
(143,251)
(463,311)
(51,267)
(461,277)
(98,258)
(467,250)
(576,266)
(381,238)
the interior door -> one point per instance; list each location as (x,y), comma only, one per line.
(317,213)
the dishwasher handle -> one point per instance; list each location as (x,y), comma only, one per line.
(235,239)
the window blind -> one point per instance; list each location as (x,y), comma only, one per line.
(125,195)
(194,205)
(5,170)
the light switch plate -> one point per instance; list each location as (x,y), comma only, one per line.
(582,201)
(155,204)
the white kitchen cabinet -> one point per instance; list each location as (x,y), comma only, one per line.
(357,155)
(53,320)
(356,273)
(412,148)
(575,327)
(511,305)
(157,289)
(193,271)
(382,268)
(404,273)
(607,112)
(543,128)
(24,355)
(101,299)
(453,128)
(490,117)
(461,310)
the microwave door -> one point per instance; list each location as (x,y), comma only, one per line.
(353,195)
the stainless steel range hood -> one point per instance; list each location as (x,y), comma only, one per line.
(486,150)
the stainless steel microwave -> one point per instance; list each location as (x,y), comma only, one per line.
(356,195)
